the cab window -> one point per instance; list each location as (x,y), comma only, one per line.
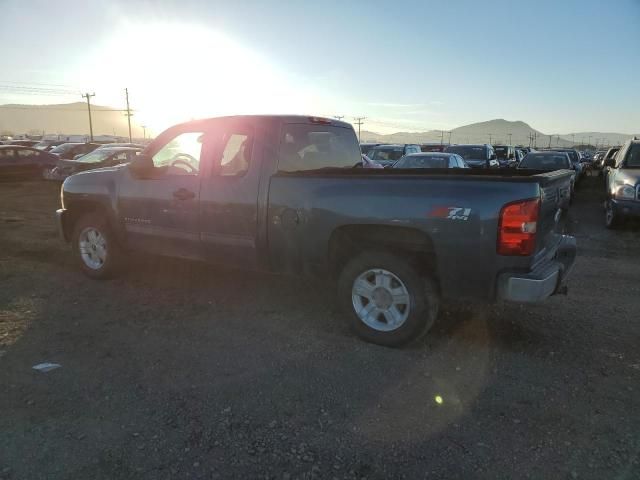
(181,155)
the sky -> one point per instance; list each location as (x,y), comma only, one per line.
(406,65)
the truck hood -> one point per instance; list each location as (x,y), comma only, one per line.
(630,176)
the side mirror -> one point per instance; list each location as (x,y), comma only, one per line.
(610,162)
(141,165)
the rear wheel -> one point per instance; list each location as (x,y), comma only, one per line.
(95,247)
(389,302)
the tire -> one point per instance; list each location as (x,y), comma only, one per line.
(612,220)
(101,256)
(414,303)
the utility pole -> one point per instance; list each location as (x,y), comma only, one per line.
(88,97)
(359,122)
(144,131)
(441,137)
(509,138)
(550,137)
(449,137)
(557,140)
(338,117)
(128,114)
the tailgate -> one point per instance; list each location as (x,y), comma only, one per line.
(555,189)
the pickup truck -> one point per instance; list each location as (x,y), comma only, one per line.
(281,194)
(623,184)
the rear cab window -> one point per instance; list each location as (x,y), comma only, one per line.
(306,148)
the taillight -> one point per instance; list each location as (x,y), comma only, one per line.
(320,120)
(517,229)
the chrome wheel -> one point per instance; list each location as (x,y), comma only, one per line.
(93,248)
(381,300)
(609,214)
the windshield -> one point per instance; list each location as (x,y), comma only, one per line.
(544,161)
(64,148)
(469,152)
(633,157)
(96,156)
(423,161)
(386,154)
(501,152)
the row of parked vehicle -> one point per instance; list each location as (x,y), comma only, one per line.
(480,156)
(56,160)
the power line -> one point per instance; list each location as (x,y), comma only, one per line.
(40,107)
(88,97)
(128,114)
(359,122)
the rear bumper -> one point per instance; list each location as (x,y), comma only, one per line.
(626,208)
(544,281)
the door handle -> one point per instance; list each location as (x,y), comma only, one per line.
(184,194)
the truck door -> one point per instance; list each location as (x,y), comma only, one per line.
(160,211)
(229,197)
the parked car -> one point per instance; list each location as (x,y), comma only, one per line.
(575,160)
(431,160)
(99,158)
(506,155)
(623,184)
(550,162)
(610,154)
(71,150)
(47,145)
(281,195)
(433,147)
(476,156)
(22,143)
(28,162)
(598,159)
(368,163)
(365,148)
(387,155)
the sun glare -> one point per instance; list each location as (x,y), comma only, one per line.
(184,71)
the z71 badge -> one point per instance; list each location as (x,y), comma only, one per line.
(451,213)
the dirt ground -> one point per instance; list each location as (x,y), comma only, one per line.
(181,370)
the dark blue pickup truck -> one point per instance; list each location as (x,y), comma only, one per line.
(283,194)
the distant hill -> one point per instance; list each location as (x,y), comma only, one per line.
(497,131)
(72,118)
(68,118)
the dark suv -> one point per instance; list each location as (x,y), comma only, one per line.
(476,156)
(387,155)
(507,155)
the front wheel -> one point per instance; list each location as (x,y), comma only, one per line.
(612,219)
(96,247)
(389,302)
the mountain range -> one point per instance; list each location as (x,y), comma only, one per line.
(72,118)
(498,131)
(67,118)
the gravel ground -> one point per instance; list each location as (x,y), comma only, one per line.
(182,370)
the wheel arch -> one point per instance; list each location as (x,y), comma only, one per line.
(348,241)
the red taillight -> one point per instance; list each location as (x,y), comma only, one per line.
(320,120)
(517,229)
